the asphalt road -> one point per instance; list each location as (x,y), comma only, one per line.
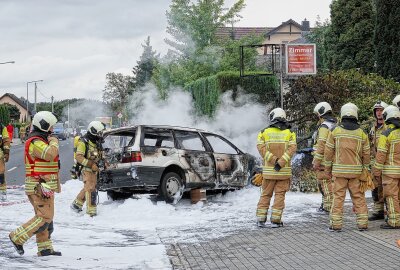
(15,167)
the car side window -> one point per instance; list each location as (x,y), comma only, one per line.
(158,138)
(189,140)
(219,145)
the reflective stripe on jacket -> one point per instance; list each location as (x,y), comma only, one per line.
(388,152)
(41,162)
(346,152)
(321,137)
(279,145)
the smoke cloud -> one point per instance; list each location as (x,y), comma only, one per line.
(238,120)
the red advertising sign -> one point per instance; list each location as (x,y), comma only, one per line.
(301,59)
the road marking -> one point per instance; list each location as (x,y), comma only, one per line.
(13,168)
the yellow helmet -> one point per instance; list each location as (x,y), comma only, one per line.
(349,110)
(322,108)
(277,114)
(391,112)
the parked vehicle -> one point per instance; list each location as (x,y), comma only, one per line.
(170,160)
(60,131)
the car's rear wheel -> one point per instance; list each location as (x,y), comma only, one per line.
(172,187)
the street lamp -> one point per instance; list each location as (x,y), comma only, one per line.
(9,62)
(27,94)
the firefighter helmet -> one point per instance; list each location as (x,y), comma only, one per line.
(95,127)
(396,101)
(391,112)
(322,108)
(349,110)
(276,115)
(44,120)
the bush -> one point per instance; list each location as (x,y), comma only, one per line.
(206,91)
(337,88)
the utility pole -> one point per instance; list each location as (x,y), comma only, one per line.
(35,96)
(52,104)
(27,94)
(68,113)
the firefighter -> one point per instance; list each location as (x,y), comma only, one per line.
(326,123)
(41,181)
(22,132)
(276,145)
(88,155)
(387,165)
(374,134)
(75,171)
(4,156)
(347,153)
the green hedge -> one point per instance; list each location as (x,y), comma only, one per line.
(206,91)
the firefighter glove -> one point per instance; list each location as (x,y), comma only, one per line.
(277,167)
(94,167)
(45,190)
(257,179)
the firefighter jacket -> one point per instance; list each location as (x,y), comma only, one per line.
(388,152)
(320,140)
(87,153)
(276,144)
(4,141)
(347,152)
(76,141)
(41,163)
(374,135)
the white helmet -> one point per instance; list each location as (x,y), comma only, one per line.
(95,127)
(349,110)
(380,105)
(391,112)
(44,120)
(277,114)
(322,108)
(396,101)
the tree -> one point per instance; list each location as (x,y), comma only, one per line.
(387,39)
(4,115)
(117,91)
(143,71)
(350,36)
(317,36)
(13,111)
(193,25)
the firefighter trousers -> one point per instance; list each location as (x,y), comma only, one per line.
(325,187)
(41,224)
(377,195)
(278,188)
(3,184)
(89,193)
(391,187)
(340,185)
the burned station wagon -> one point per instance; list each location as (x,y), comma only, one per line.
(169,160)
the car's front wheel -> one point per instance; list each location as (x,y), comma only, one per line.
(172,187)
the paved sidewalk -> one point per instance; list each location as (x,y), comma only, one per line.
(304,245)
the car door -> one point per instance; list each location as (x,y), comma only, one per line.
(158,151)
(231,163)
(196,159)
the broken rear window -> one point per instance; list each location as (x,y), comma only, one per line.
(188,140)
(158,138)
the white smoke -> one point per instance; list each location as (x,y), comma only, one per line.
(82,112)
(238,120)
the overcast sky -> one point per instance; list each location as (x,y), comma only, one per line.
(72,44)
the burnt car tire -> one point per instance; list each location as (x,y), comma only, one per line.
(171,187)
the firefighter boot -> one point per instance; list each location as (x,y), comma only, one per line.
(18,248)
(76,208)
(3,196)
(377,216)
(261,224)
(48,252)
(276,224)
